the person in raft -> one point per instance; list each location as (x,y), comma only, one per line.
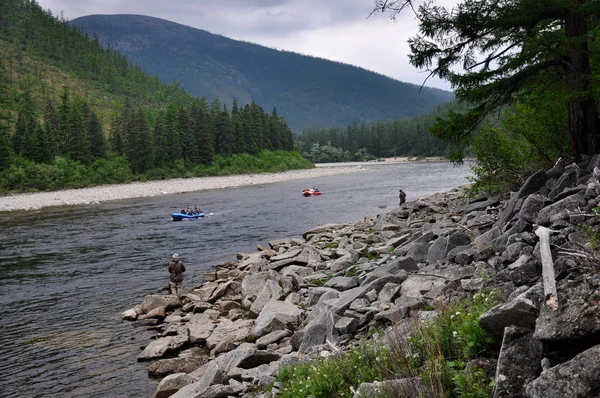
(176,269)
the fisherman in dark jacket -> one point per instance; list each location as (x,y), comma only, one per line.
(402,197)
(176,269)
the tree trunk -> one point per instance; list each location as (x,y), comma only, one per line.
(583,113)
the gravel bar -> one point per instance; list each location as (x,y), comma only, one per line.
(103,193)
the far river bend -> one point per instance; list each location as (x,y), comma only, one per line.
(67,273)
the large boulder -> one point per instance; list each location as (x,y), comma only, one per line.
(577,378)
(230,332)
(154,301)
(171,384)
(159,347)
(518,363)
(278,315)
(200,327)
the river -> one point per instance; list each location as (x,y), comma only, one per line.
(67,273)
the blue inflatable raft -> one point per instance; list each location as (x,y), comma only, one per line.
(182,216)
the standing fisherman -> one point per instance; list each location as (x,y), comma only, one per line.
(402,197)
(176,269)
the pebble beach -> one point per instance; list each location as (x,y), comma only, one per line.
(94,195)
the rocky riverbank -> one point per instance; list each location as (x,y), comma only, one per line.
(316,296)
(104,193)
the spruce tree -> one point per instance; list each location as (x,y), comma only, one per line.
(492,52)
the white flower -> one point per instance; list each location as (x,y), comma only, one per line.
(452,316)
(457,313)
(455,333)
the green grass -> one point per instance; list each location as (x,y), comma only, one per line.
(437,352)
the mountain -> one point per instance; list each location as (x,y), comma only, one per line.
(308,91)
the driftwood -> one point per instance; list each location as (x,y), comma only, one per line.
(548,277)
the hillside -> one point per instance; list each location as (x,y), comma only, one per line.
(308,91)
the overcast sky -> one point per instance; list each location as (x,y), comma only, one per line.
(338,30)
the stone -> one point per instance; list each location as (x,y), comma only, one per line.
(209,374)
(520,312)
(228,331)
(272,337)
(518,363)
(200,327)
(252,284)
(171,384)
(559,210)
(576,378)
(317,331)
(129,315)
(341,283)
(277,315)
(154,301)
(389,292)
(185,363)
(270,291)
(159,347)
(346,326)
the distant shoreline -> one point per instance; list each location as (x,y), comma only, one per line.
(104,193)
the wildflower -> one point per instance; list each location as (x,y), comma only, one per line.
(457,313)
(377,359)
(452,316)
(455,333)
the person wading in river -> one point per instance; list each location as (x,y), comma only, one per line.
(176,269)
(402,197)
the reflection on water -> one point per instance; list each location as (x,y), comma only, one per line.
(66,274)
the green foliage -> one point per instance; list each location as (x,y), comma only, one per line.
(593,232)
(370,255)
(436,351)
(352,271)
(501,162)
(493,52)
(321,281)
(25,175)
(333,245)
(338,376)
(363,142)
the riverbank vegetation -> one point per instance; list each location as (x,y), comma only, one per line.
(437,352)
(75,114)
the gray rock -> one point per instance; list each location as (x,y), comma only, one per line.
(317,331)
(577,315)
(518,363)
(531,206)
(520,312)
(532,184)
(577,378)
(559,210)
(438,250)
(228,331)
(315,294)
(154,301)
(389,292)
(417,285)
(159,347)
(566,180)
(252,284)
(277,315)
(184,363)
(200,327)
(171,384)
(341,283)
(227,289)
(209,374)
(418,251)
(346,325)
(270,291)
(271,338)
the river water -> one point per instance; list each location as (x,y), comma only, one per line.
(67,273)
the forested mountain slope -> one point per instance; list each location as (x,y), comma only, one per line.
(308,91)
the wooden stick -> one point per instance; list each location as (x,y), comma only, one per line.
(548,277)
